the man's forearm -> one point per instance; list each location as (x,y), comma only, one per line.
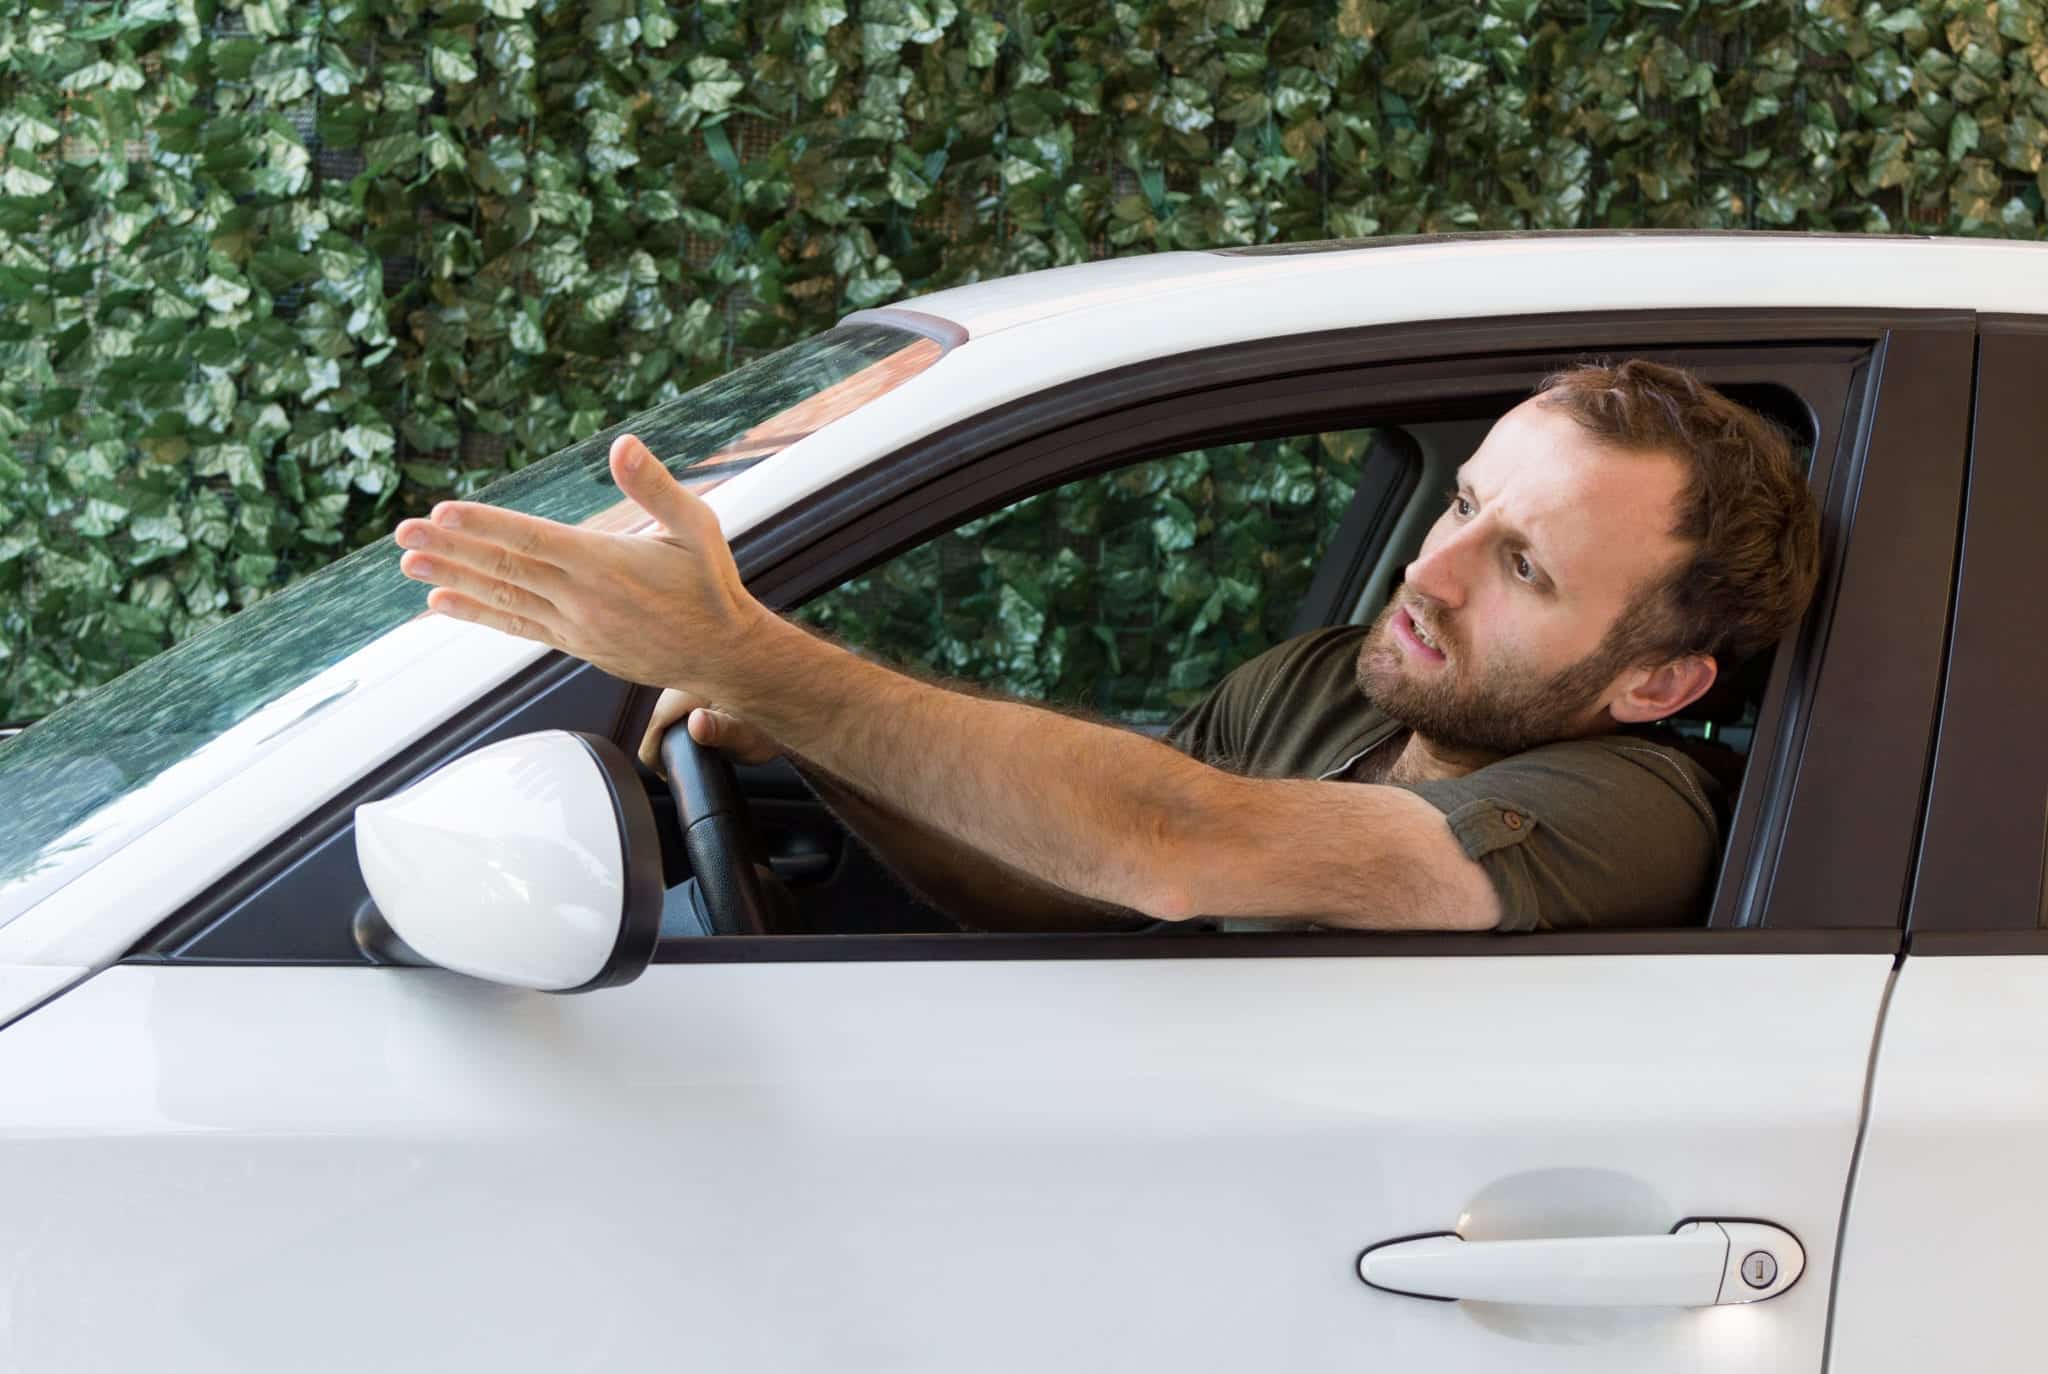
(1084,807)
(970,886)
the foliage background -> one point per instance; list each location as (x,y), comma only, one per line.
(1129,594)
(275,273)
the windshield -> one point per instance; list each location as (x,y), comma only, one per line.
(61,780)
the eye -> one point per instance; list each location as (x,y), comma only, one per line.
(1524,569)
(1461,505)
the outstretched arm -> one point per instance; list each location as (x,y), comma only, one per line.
(1113,817)
(965,883)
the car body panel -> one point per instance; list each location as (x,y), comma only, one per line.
(997,1166)
(26,986)
(1940,1260)
(1500,275)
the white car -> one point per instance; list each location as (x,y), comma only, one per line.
(241,1128)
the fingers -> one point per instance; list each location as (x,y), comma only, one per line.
(456,606)
(671,706)
(444,545)
(545,541)
(507,599)
(654,489)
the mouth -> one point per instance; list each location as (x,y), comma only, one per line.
(1416,638)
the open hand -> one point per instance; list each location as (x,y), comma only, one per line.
(667,609)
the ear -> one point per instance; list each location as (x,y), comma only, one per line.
(1664,690)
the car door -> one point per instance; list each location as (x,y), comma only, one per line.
(943,1151)
(1941,1255)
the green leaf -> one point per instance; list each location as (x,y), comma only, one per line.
(658,27)
(369,440)
(713,84)
(20,181)
(984,39)
(526,334)
(234,461)
(1963,137)
(451,61)
(719,145)
(433,476)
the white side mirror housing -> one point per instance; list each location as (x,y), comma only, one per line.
(531,862)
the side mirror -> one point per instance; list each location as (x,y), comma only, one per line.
(531,862)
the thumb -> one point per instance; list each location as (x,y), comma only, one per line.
(714,729)
(708,728)
(654,489)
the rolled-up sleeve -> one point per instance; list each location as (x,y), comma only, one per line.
(1587,834)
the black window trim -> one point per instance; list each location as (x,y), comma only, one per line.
(1981,883)
(801,552)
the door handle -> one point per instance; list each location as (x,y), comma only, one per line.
(1703,1262)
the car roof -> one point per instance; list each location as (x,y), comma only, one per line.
(1421,274)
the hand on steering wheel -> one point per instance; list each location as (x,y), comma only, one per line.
(696,747)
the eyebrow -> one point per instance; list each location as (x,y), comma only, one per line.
(1515,535)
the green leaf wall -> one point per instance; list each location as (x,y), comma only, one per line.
(273,274)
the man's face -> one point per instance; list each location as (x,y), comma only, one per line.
(1497,642)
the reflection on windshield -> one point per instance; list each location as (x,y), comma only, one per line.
(60,779)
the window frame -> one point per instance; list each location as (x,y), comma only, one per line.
(1981,883)
(1313,381)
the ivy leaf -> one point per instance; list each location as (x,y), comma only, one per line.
(206,520)
(713,84)
(658,27)
(451,60)
(236,462)
(984,39)
(605,296)
(1963,136)
(2026,139)
(115,76)
(526,334)
(432,476)
(369,440)
(20,181)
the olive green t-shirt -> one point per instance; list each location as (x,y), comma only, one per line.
(1611,831)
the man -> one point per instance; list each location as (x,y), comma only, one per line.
(1459,766)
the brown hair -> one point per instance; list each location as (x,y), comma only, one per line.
(1745,508)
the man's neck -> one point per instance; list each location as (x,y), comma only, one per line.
(1423,760)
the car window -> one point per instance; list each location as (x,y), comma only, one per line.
(1130,594)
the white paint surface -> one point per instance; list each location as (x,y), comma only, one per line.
(1944,1265)
(505,864)
(23,987)
(1091,1165)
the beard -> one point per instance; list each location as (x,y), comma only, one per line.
(1500,709)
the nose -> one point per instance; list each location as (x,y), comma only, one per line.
(1440,572)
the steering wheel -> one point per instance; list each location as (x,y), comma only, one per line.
(729,895)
